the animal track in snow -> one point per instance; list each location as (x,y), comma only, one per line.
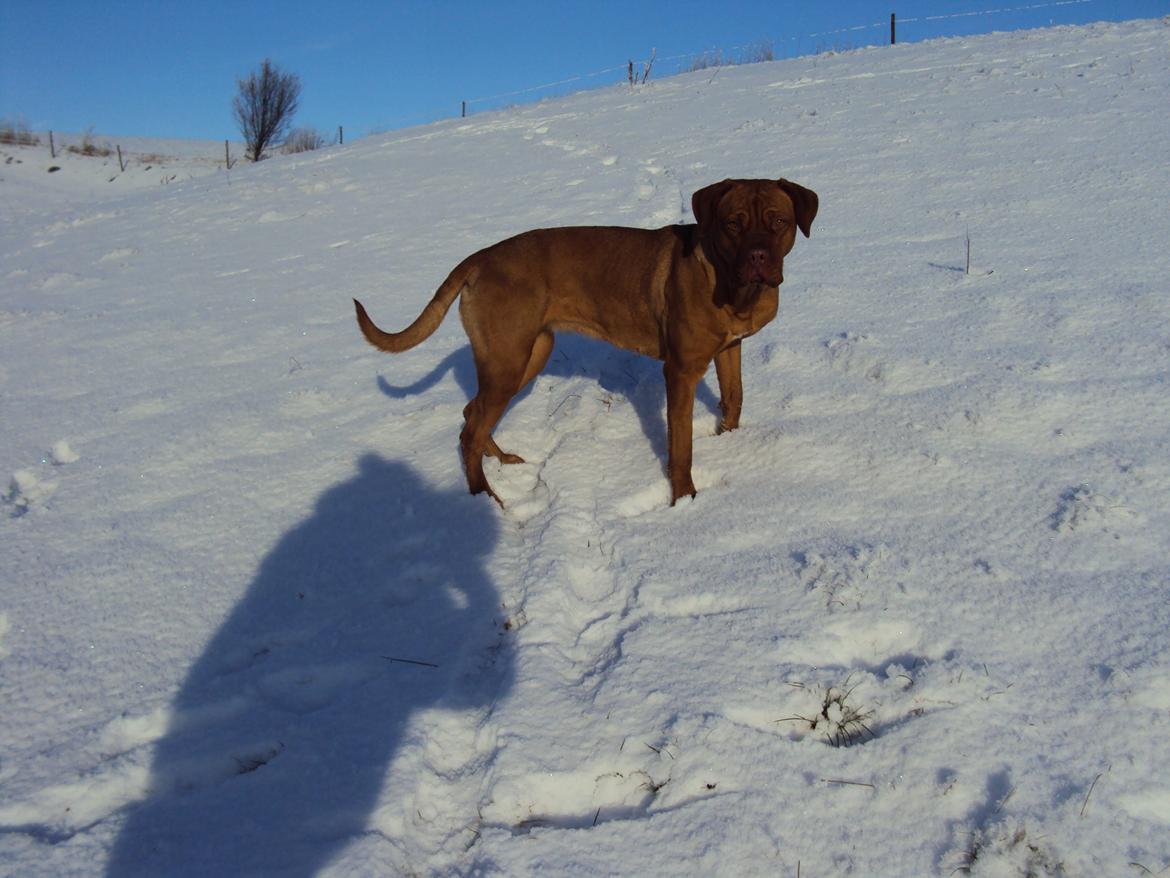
(659,185)
(846,352)
(840,573)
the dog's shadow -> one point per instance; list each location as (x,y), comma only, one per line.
(637,378)
(282,737)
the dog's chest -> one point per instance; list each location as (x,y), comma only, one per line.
(762,313)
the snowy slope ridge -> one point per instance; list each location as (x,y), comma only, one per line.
(44,178)
(916,621)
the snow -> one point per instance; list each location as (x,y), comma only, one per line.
(65,176)
(915,622)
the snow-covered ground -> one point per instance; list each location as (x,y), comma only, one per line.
(57,175)
(252,624)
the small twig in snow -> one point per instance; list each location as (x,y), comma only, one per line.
(1085,804)
(851,783)
(410,661)
(562,402)
(1004,800)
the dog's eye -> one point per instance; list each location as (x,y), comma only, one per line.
(779,224)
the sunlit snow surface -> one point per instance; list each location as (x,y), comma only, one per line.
(252,624)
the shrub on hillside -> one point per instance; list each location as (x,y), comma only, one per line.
(303,140)
(88,147)
(17,134)
(754,54)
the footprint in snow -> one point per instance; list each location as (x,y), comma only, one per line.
(846,353)
(840,573)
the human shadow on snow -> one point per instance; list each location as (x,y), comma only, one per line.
(282,736)
(637,378)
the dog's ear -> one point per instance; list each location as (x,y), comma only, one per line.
(704,202)
(804,200)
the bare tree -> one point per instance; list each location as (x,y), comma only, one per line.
(265,106)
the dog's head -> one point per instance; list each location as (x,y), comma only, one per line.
(747,228)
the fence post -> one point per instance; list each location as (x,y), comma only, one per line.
(121,164)
(340,136)
(464,113)
(892,29)
(52,149)
(227,156)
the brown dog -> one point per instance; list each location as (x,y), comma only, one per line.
(685,294)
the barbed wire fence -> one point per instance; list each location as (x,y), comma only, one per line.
(837,39)
(637,71)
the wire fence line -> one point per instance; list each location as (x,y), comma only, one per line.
(793,43)
(834,39)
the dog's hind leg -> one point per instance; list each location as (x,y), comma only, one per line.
(482,414)
(541,349)
(538,357)
(500,379)
(492,449)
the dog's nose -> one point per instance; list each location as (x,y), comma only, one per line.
(758,257)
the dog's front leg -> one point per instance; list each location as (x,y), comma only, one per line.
(730,387)
(681,381)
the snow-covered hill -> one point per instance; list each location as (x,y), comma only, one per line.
(252,624)
(74,170)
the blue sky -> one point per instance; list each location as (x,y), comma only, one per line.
(168,69)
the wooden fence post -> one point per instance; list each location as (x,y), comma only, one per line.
(52,149)
(340,136)
(227,156)
(892,29)
(121,164)
(464,113)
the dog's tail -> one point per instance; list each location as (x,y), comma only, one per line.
(426,322)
